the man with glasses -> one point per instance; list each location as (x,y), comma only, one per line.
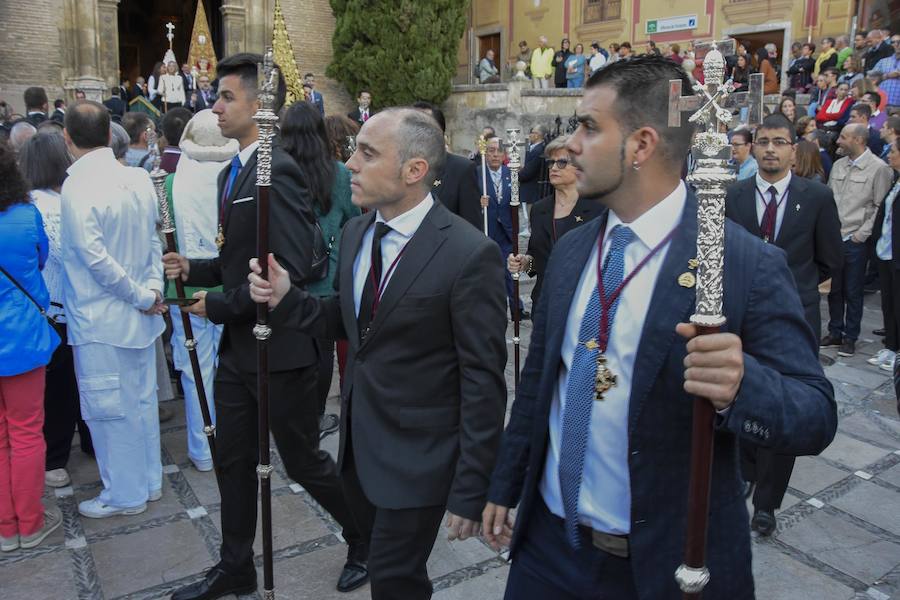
(859,182)
(799,216)
(741,145)
(889,68)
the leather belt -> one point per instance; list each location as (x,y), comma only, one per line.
(617,545)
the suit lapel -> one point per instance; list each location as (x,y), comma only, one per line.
(793,208)
(351,242)
(748,208)
(668,306)
(424,243)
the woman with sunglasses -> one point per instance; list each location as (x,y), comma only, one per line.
(553,216)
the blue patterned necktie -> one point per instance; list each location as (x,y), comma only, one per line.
(232,175)
(580,388)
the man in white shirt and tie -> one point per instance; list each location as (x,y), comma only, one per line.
(113,298)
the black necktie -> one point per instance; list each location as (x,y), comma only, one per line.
(368,296)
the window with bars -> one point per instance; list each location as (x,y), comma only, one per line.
(596,11)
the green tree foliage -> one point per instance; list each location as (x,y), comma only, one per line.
(399,50)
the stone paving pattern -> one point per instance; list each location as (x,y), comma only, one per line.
(838,532)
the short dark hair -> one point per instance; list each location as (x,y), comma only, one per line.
(779,121)
(13,188)
(811,46)
(874,96)
(114,90)
(58,102)
(595,46)
(363,91)
(832,71)
(642,99)
(309,75)
(830,40)
(35,97)
(893,123)
(523,43)
(744,134)
(44,160)
(244,65)
(88,124)
(863,110)
(136,123)
(435,112)
(625,45)
(173,124)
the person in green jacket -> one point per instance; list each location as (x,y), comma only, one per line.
(303,136)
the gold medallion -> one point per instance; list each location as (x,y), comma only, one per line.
(687,279)
(604,380)
(591,344)
(220,239)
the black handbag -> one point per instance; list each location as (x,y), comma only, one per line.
(57,326)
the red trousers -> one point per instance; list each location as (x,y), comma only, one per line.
(22,453)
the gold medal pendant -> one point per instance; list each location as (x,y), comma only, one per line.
(605,378)
(220,239)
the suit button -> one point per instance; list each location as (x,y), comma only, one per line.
(747,426)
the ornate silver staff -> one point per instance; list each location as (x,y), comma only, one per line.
(512,136)
(158,176)
(482,149)
(266,119)
(711,175)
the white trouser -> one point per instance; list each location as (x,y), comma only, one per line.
(540,83)
(117,387)
(207,335)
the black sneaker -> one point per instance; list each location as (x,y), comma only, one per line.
(830,341)
(880,332)
(848,348)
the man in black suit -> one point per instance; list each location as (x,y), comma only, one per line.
(115,104)
(421,415)
(533,167)
(800,217)
(364,108)
(457,185)
(879,47)
(205,95)
(36,104)
(59,110)
(293,359)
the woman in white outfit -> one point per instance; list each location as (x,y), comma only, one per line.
(194,198)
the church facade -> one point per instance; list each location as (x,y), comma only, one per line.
(64,45)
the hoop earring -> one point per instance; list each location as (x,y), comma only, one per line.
(635,166)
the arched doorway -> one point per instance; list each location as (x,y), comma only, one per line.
(142,32)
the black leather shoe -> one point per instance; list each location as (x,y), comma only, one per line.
(216,584)
(763,523)
(355,572)
(880,332)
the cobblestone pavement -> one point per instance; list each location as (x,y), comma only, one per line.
(838,531)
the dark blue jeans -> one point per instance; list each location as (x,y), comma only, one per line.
(546,567)
(845,302)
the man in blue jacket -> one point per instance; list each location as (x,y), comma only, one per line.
(601,480)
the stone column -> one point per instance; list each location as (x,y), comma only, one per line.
(108,13)
(258,31)
(234,22)
(82,46)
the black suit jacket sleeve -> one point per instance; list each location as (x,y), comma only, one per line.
(479,333)
(829,254)
(317,317)
(532,167)
(291,241)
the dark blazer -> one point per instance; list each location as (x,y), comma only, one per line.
(499,216)
(291,232)
(794,414)
(810,231)
(895,228)
(36,118)
(116,105)
(356,116)
(426,410)
(542,239)
(202,104)
(58,116)
(317,100)
(883,50)
(458,189)
(530,175)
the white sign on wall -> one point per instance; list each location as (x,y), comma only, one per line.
(672,24)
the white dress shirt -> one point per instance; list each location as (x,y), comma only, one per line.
(112,253)
(403,227)
(604,501)
(762,191)
(883,247)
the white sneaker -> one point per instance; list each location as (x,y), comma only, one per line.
(882,355)
(57,478)
(9,544)
(204,466)
(95,509)
(52,521)
(155,495)
(888,365)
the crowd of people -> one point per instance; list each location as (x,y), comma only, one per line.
(87,296)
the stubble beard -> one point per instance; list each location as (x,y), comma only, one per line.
(601,193)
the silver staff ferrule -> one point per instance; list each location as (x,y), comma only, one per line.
(262,332)
(264,471)
(690,580)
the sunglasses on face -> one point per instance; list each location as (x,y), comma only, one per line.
(560,163)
